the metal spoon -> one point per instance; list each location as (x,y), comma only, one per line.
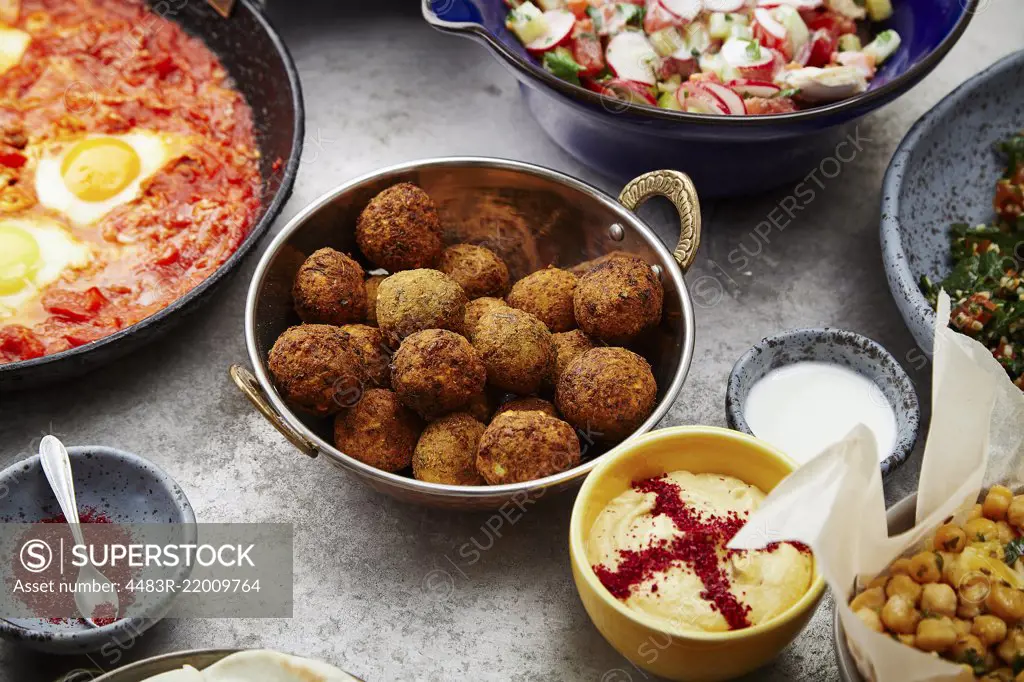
(57,467)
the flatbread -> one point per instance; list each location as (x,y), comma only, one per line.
(259,666)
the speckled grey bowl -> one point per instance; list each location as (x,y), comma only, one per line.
(900,519)
(124,487)
(839,347)
(944,171)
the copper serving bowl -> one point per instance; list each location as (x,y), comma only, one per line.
(529,215)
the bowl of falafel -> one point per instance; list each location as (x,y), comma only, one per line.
(467,332)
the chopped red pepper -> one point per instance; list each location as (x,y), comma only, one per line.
(78,306)
(12,159)
(19,343)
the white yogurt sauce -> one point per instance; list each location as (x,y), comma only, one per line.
(805,407)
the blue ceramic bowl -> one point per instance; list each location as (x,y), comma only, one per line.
(122,486)
(839,347)
(725,155)
(944,172)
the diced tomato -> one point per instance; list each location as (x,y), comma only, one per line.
(85,334)
(169,254)
(165,66)
(588,53)
(769,105)
(578,7)
(676,66)
(19,343)
(12,159)
(823,44)
(826,19)
(78,306)
(973,314)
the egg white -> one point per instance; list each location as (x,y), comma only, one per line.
(59,252)
(154,150)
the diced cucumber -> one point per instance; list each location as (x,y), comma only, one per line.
(796,29)
(670,85)
(878,10)
(667,41)
(716,64)
(560,62)
(719,25)
(629,13)
(668,100)
(527,22)
(741,31)
(882,47)
(849,42)
(698,39)
(736,18)
(551,4)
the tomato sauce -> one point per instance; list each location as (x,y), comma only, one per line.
(109,67)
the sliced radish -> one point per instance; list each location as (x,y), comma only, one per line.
(686,10)
(803,55)
(797,4)
(699,100)
(628,91)
(732,101)
(559,28)
(769,32)
(752,88)
(631,57)
(724,5)
(749,58)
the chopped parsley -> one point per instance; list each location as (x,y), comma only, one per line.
(753,50)
(1013,551)
(560,62)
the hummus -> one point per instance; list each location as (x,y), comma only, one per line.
(660,548)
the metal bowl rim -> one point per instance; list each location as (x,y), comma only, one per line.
(273,208)
(440,489)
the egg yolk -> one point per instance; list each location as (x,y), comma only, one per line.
(20,258)
(98,168)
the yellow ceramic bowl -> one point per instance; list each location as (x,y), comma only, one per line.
(676,654)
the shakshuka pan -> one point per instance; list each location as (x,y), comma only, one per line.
(128,170)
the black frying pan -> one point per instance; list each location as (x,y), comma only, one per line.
(262,68)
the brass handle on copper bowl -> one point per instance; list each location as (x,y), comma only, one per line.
(677,188)
(244,379)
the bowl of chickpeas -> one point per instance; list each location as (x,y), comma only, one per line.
(960,596)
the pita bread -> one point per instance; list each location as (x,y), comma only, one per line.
(259,666)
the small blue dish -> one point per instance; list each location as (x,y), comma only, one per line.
(944,172)
(725,155)
(839,347)
(127,489)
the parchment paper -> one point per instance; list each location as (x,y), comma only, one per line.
(835,502)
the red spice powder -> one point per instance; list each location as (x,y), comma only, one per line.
(697,546)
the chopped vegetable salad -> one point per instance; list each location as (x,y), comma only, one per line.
(728,57)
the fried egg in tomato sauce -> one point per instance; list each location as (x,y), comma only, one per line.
(34,252)
(89,177)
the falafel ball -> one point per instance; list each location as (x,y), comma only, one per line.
(399,229)
(371,284)
(446,451)
(482,405)
(524,446)
(568,345)
(586,266)
(414,300)
(516,349)
(479,271)
(607,393)
(329,288)
(547,294)
(367,344)
(378,430)
(476,308)
(437,371)
(527,404)
(618,299)
(315,368)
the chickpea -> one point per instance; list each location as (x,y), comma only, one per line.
(939,598)
(878,581)
(1015,513)
(900,616)
(981,530)
(989,629)
(906,640)
(900,567)
(1005,532)
(961,650)
(968,610)
(1011,647)
(963,627)
(975,512)
(872,598)
(935,634)
(951,570)
(870,618)
(926,567)
(1005,602)
(903,585)
(950,538)
(996,502)
(974,588)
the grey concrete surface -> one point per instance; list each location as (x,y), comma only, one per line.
(382,589)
